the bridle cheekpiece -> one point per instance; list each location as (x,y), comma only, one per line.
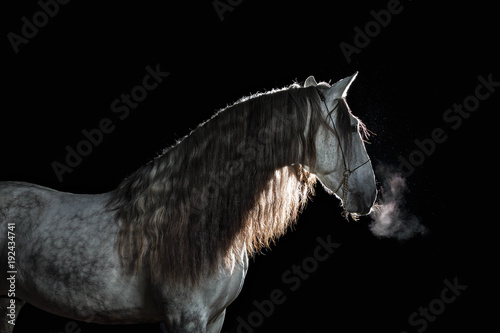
(347,172)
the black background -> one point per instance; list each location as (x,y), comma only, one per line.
(426,59)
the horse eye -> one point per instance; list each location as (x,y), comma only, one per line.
(354,128)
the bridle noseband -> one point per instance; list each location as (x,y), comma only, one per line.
(347,171)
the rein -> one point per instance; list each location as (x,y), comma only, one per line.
(347,171)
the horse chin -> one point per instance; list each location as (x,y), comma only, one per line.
(363,212)
(356,210)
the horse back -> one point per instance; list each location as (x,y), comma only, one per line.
(20,201)
(45,226)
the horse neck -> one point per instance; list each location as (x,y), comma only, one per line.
(231,183)
(227,151)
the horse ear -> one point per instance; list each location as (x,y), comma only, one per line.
(310,81)
(341,87)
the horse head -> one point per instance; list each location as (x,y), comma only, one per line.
(342,163)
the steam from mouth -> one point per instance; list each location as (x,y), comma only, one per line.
(391,218)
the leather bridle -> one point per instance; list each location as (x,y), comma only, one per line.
(347,171)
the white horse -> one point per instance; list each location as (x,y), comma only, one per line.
(170,244)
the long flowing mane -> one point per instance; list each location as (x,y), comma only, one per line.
(234,182)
